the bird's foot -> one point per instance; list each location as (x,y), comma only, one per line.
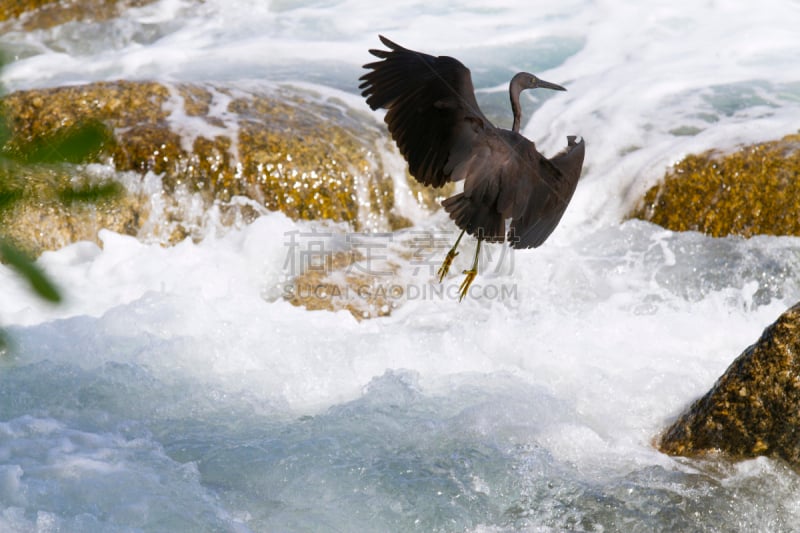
(464,288)
(446,264)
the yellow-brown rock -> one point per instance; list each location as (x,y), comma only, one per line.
(46,207)
(287,149)
(42,14)
(754,408)
(14,8)
(752,191)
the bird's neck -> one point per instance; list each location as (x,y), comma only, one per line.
(514,91)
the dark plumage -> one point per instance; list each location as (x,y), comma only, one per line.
(435,120)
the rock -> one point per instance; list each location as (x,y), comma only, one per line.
(287,149)
(10,10)
(748,192)
(43,14)
(754,408)
(46,208)
(357,272)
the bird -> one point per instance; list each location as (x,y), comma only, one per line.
(434,119)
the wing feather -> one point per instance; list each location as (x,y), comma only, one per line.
(537,212)
(432,115)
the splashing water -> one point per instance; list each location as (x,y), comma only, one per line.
(176,391)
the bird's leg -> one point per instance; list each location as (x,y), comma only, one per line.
(471,273)
(449,259)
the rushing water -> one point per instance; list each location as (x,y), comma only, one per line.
(175,391)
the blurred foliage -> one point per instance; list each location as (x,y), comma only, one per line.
(77,144)
(90,192)
(25,266)
(8,196)
(80,143)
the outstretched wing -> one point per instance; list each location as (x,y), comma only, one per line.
(540,202)
(432,115)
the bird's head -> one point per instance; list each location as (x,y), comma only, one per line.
(526,80)
(520,82)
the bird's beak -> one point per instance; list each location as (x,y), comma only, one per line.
(541,84)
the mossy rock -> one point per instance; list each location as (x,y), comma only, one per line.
(287,149)
(754,408)
(752,191)
(48,207)
(43,14)
(14,8)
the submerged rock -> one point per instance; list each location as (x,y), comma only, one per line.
(749,192)
(754,408)
(342,282)
(374,274)
(284,148)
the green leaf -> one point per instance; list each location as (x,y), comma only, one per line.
(77,144)
(5,131)
(5,58)
(90,193)
(8,197)
(25,266)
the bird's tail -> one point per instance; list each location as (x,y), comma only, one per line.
(478,219)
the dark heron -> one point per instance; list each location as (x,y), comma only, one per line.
(440,130)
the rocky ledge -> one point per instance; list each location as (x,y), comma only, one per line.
(754,408)
(281,148)
(752,191)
